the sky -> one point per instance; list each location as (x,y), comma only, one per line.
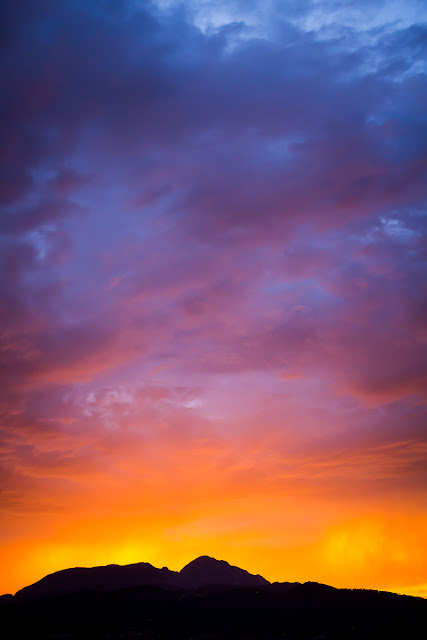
(213,329)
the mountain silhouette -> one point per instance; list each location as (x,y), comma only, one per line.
(112,576)
(206,571)
(201,572)
(207,600)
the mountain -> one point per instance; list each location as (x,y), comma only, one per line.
(206,571)
(290,611)
(105,578)
(199,573)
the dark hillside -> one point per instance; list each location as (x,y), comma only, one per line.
(295,612)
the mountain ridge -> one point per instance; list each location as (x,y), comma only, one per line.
(103,606)
(201,572)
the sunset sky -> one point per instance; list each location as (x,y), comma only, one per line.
(213,322)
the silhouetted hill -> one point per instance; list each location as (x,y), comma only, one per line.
(202,572)
(264,611)
(206,571)
(100,579)
(6,598)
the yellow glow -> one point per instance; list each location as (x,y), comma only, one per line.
(355,547)
(368,552)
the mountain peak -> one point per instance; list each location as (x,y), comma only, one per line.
(205,561)
(205,571)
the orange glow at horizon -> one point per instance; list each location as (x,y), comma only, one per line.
(273,502)
(352,555)
(293,538)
